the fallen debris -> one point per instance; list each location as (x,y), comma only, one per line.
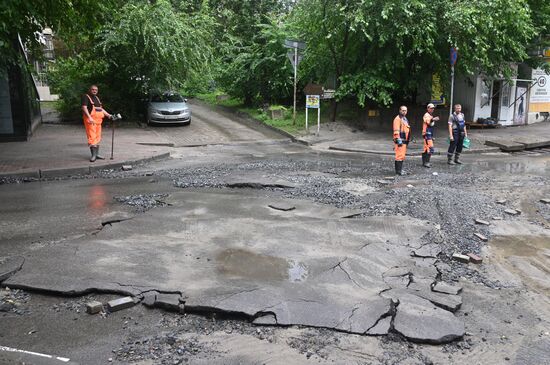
(481,221)
(545,201)
(501,201)
(475,258)
(461,258)
(443,287)
(126,167)
(497,218)
(481,237)
(384,182)
(512,211)
(94,307)
(120,303)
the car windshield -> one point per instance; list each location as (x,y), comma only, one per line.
(167,98)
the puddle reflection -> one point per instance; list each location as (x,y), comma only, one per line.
(246,264)
(97,198)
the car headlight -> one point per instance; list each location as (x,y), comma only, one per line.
(154,111)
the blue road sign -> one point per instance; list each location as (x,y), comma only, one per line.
(454,55)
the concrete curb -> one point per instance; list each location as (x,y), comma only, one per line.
(81,170)
(413,153)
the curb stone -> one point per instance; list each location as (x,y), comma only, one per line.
(413,153)
(85,170)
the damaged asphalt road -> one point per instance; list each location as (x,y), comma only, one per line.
(312,251)
(308,266)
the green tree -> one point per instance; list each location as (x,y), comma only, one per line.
(25,18)
(379,51)
(260,71)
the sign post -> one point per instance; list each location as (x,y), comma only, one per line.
(454,56)
(314,102)
(295,59)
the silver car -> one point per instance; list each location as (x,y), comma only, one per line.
(168,108)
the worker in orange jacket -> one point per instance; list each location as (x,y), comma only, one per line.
(428,128)
(401,138)
(93,114)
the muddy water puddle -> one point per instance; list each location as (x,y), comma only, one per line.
(526,256)
(250,265)
(527,164)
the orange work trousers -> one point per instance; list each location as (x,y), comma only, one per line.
(400,152)
(428,146)
(93,127)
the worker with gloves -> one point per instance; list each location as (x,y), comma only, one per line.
(457,133)
(93,114)
(428,127)
(401,137)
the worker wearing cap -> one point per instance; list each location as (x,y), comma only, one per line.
(428,127)
(401,137)
(93,114)
(457,133)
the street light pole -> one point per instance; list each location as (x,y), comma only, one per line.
(295,76)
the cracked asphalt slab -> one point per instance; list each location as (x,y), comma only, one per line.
(231,252)
(266,206)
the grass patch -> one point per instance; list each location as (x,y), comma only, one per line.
(286,124)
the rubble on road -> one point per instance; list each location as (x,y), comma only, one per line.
(461,258)
(481,237)
(120,303)
(475,258)
(94,307)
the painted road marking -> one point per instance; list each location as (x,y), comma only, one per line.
(9,349)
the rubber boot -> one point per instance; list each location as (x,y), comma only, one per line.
(423,158)
(427,163)
(457,159)
(399,167)
(450,159)
(97,155)
(94,153)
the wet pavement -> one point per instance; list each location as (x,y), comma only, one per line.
(277,253)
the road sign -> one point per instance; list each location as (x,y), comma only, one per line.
(290,43)
(454,55)
(313,101)
(291,55)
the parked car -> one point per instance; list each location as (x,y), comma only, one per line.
(168,108)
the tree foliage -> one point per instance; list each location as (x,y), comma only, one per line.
(381,50)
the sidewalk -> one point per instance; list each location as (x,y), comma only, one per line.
(377,140)
(61,150)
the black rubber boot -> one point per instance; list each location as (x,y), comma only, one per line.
(94,153)
(457,159)
(423,158)
(427,163)
(97,155)
(450,159)
(399,167)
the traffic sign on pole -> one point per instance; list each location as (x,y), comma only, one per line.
(454,55)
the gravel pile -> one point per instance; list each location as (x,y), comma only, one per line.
(143,202)
(14,301)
